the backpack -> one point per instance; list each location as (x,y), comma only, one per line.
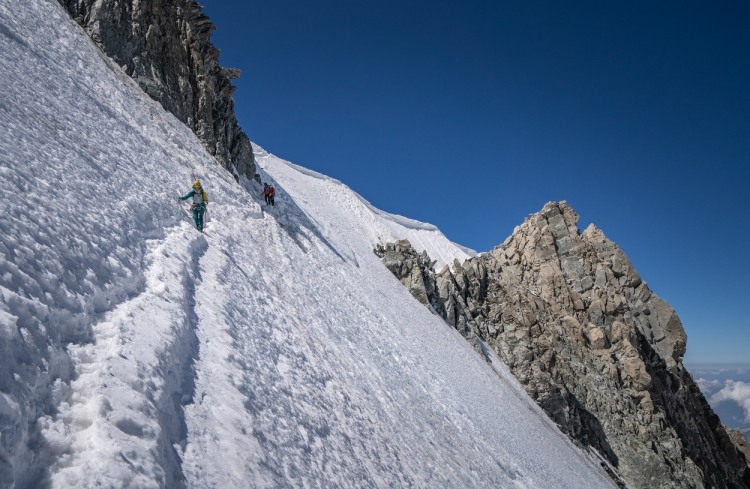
(201,198)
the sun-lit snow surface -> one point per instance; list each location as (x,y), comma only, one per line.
(369,224)
(274,352)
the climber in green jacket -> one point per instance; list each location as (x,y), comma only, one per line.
(200,201)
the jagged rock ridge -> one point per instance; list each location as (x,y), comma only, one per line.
(165,45)
(591,343)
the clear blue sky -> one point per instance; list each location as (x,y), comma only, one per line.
(471,115)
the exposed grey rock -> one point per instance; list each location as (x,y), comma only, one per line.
(165,45)
(590,342)
(411,269)
(740,441)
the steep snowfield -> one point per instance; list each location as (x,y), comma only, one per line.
(275,351)
(316,194)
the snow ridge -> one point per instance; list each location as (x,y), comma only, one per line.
(377,226)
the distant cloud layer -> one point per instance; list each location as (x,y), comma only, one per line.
(738,392)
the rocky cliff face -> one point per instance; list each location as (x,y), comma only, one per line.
(165,45)
(590,342)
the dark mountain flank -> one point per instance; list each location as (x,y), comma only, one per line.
(165,46)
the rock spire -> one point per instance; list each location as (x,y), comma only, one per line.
(590,342)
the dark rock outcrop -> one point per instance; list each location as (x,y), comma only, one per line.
(741,442)
(165,45)
(591,343)
(413,270)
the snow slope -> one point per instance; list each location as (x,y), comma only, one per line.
(275,351)
(370,225)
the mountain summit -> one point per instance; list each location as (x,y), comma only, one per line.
(590,342)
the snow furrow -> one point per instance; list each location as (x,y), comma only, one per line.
(119,419)
(217,419)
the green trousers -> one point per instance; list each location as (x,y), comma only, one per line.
(198,211)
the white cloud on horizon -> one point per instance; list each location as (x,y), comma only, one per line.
(707,382)
(708,387)
(738,392)
(716,369)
